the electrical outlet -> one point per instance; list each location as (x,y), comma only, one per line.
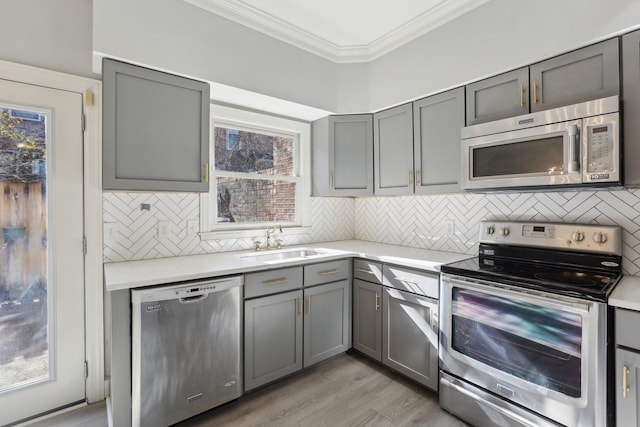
(110,233)
(164,229)
(192,227)
(450,227)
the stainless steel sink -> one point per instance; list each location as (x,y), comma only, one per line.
(281,255)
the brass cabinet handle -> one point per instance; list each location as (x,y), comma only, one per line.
(331,181)
(300,307)
(309,306)
(535,92)
(410,178)
(625,384)
(404,279)
(328,272)
(276,281)
(522,90)
(417,178)
(377,301)
(206,172)
(362,270)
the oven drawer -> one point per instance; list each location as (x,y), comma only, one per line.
(367,270)
(414,281)
(627,322)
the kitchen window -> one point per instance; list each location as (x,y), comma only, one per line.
(259,175)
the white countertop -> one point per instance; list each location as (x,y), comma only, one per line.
(627,293)
(135,274)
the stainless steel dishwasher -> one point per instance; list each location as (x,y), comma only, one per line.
(186,350)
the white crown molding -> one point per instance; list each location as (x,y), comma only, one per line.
(277,28)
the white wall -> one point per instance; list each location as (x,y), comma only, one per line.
(55,35)
(496,37)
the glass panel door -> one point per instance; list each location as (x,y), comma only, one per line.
(41,257)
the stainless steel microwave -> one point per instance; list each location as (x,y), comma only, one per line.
(568,146)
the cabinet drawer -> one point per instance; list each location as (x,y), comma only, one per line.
(326,272)
(367,270)
(273,281)
(415,281)
(627,323)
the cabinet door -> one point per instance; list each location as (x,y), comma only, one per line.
(437,121)
(631,102)
(326,321)
(155,130)
(627,373)
(342,151)
(410,335)
(393,145)
(367,318)
(505,95)
(272,338)
(582,75)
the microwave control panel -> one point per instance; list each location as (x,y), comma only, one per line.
(600,149)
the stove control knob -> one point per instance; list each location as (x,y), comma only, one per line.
(577,236)
(504,231)
(490,230)
(599,237)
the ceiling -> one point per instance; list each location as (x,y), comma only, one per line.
(341,30)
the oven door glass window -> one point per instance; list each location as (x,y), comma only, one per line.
(544,156)
(538,344)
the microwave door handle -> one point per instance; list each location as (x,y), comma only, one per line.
(574,165)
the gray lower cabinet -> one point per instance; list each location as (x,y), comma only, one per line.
(627,370)
(410,335)
(437,121)
(342,155)
(584,74)
(155,130)
(327,321)
(367,318)
(627,395)
(393,151)
(288,327)
(631,104)
(504,95)
(272,338)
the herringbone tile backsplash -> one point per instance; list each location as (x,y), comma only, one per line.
(439,222)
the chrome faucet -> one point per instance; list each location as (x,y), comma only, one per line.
(271,231)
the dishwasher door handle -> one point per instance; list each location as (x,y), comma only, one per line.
(195,298)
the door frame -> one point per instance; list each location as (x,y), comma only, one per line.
(91,91)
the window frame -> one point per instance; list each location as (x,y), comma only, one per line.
(229,117)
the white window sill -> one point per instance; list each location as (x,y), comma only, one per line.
(256,233)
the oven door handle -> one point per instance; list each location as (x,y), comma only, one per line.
(526,295)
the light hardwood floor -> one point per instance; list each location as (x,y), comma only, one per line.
(348,390)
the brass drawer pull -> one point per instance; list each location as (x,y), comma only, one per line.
(417,178)
(522,90)
(300,307)
(276,281)
(377,301)
(362,270)
(328,272)
(625,384)
(309,306)
(404,279)
(535,92)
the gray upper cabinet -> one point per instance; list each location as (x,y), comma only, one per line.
(497,97)
(342,155)
(437,121)
(393,151)
(589,73)
(631,104)
(155,130)
(581,75)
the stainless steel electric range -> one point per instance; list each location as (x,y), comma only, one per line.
(524,333)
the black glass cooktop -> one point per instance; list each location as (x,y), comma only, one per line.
(566,274)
